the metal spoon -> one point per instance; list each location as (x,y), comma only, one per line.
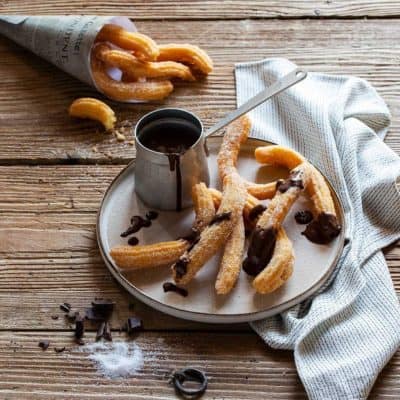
(279,86)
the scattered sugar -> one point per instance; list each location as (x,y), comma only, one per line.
(116,359)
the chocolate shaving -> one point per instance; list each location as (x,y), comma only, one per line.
(220,217)
(171,287)
(59,349)
(133,241)
(303,217)
(44,344)
(72,314)
(100,331)
(66,307)
(256,211)
(133,325)
(107,332)
(79,327)
(181,266)
(151,215)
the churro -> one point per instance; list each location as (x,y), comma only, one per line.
(279,269)
(87,107)
(216,233)
(232,259)
(134,69)
(203,206)
(148,90)
(325,226)
(189,54)
(262,241)
(143,46)
(149,255)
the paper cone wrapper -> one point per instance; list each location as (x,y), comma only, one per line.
(65,41)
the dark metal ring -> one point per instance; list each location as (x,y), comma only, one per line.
(189,374)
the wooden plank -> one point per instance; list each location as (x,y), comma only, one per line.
(211,9)
(35,128)
(49,255)
(238,366)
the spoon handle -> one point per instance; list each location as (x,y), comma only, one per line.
(279,86)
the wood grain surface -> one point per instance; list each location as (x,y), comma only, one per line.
(211,9)
(48,205)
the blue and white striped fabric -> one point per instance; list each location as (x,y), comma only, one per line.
(348,332)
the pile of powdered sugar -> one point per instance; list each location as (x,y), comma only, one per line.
(115,359)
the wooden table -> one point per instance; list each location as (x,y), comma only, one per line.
(53,173)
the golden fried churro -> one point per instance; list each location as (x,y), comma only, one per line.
(251,203)
(216,233)
(261,191)
(279,269)
(232,259)
(87,107)
(263,239)
(325,226)
(149,90)
(203,206)
(197,58)
(143,46)
(150,255)
(134,69)
(236,133)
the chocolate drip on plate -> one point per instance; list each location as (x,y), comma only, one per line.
(323,229)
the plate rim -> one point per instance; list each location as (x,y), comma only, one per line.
(209,317)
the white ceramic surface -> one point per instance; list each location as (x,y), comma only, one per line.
(313,265)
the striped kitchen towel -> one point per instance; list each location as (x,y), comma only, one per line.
(344,336)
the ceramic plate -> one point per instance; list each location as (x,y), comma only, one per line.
(313,265)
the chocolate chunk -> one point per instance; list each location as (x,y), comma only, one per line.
(171,287)
(44,344)
(55,317)
(197,385)
(133,325)
(66,307)
(151,214)
(323,229)
(59,349)
(79,327)
(100,331)
(256,211)
(103,308)
(181,266)
(221,217)
(260,250)
(107,332)
(133,241)
(92,316)
(303,217)
(294,180)
(72,314)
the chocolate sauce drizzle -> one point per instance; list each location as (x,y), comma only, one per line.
(256,211)
(174,160)
(294,180)
(171,287)
(220,217)
(323,229)
(260,250)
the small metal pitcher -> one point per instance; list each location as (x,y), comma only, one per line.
(167,185)
(162,181)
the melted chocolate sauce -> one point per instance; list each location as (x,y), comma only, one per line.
(294,180)
(173,137)
(133,241)
(303,217)
(170,287)
(150,215)
(256,211)
(137,223)
(260,250)
(181,267)
(220,217)
(323,229)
